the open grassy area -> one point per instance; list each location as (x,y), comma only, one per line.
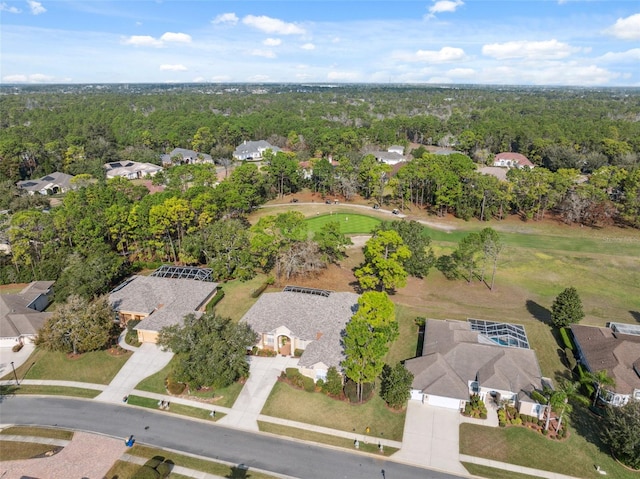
(197,464)
(122,470)
(14,450)
(349,223)
(318,437)
(175,408)
(49,391)
(577,456)
(316,408)
(97,367)
(493,473)
(237,297)
(38,432)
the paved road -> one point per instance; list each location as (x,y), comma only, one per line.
(283,456)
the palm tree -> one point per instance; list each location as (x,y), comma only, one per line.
(599,378)
(568,391)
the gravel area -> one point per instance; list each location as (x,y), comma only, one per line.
(86,456)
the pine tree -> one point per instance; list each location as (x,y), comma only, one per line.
(566,308)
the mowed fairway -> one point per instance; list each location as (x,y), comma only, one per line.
(350,224)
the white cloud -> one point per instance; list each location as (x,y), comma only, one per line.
(176,37)
(272,25)
(629,56)
(142,41)
(221,78)
(461,73)
(308,46)
(445,54)
(36,7)
(272,42)
(444,6)
(225,18)
(544,50)
(33,78)
(173,68)
(259,78)
(626,28)
(263,53)
(6,8)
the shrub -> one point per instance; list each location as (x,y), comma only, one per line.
(146,472)
(298,352)
(164,469)
(308,384)
(174,387)
(16,347)
(333,384)
(257,292)
(483,415)
(568,344)
(154,462)
(320,384)
(216,299)
(292,373)
(502,424)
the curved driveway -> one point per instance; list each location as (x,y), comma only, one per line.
(288,457)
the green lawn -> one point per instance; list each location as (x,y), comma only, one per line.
(349,223)
(38,432)
(98,367)
(237,297)
(493,473)
(315,408)
(13,450)
(49,391)
(576,456)
(175,408)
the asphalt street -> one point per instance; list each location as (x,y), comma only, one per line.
(254,450)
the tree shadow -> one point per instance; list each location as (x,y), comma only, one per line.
(7,391)
(635,315)
(239,472)
(588,425)
(539,312)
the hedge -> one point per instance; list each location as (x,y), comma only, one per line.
(216,299)
(566,339)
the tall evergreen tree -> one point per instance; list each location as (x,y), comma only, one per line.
(566,308)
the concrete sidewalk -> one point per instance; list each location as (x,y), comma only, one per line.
(147,360)
(53,382)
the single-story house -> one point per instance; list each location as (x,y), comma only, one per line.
(496,171)
(50,184)
(21,314)
(615,349)
(305,319)
(392,156)
(183,156)
(485,358)
(396,149)
(132,170)
(253,150)
(512,160)
(159,301)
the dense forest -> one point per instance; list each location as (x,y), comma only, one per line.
(585,143)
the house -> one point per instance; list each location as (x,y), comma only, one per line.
(392,156)
(512,160)
(306,319)
(131,170)
(162,299)
(253,150)
(183,156)
(496,171)
(51,184)
(486,358)
(615,349)
(21,314)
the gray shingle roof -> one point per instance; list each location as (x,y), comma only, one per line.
(16,317)
(452,350)
(48,182)
(166,300)
(306,315)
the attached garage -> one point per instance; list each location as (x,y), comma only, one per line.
(440,401)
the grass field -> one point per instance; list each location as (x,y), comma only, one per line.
(493,473)
(97,367)
(49,391)
(349,223)
(38,432)
(175,408)
(14,450)
(315,408)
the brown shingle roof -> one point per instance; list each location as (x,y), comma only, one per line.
(618,354)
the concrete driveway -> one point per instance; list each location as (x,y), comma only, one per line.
(148,359)
(7,356)
(431,438)
(263,375)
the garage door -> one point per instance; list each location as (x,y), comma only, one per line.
(450,403)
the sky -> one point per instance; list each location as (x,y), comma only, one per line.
(510,42)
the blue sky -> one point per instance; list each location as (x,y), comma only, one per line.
(514,42)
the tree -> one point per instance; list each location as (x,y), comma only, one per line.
(333,383)
(299,259)
(568,391)
(384,255)
(621,433)
(467,254)
(367,337)
(211,350)
(566,308)
(491,247)
(414,237)
(331,241)
(395,385)
(600,379)
(78,326)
